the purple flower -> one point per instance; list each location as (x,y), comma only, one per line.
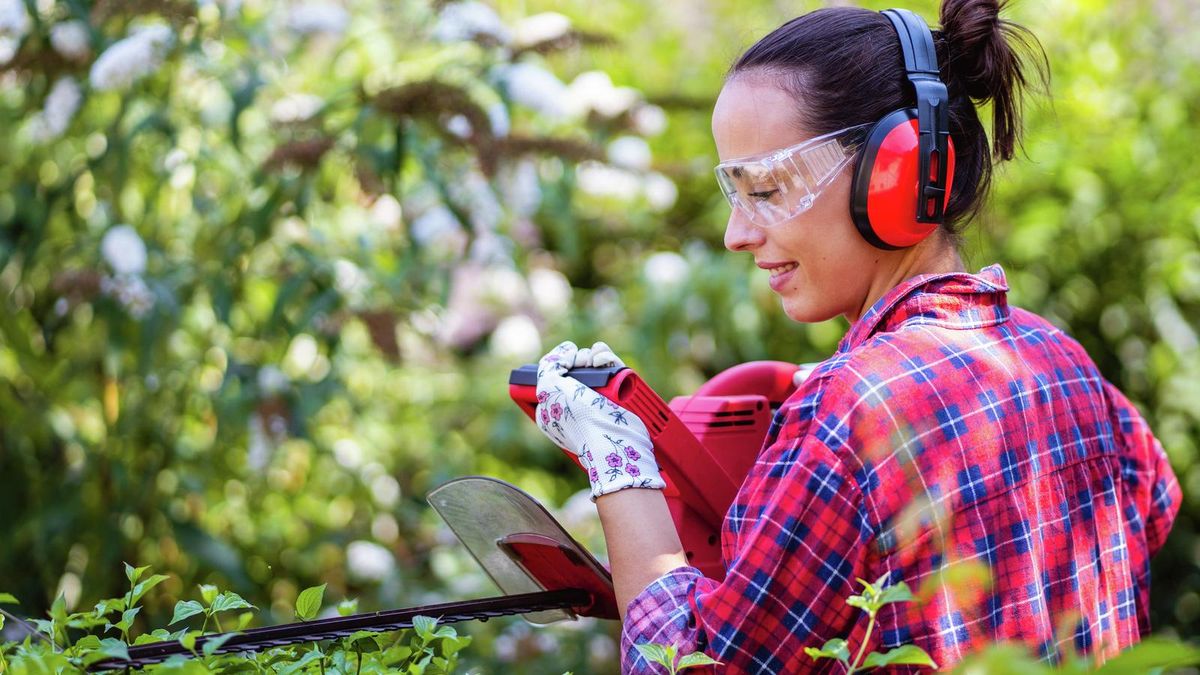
(632,454)
(542,396)
(632,470)
(593,475)
(588,454)
(614,460)
(545,416)
(556,410)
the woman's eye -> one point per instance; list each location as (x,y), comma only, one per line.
(762,196)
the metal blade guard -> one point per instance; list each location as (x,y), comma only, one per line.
(521,546)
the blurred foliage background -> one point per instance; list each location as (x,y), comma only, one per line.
(265,266)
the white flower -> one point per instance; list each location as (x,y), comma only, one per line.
(660,191)
(259,445)
(469,20)
(594,91)
(579,510)
(435,225)
(124,250)
(474,191)
(368,561)
(71,39)
(649,120)
(272,381)
(540,28)
(665,268)
(601,180)
(131,292)
(516,339)
(629,152)
(537,88)
(318,17)
(350,280)
(386,490)
(59,109)
(132,58)
(386,212)
(296,108)
(348,452)
(459,125)
(551,292)
(504,647)
(498,117)
(521,187)
(601,648)
(14,25)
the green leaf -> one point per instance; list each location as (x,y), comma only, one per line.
(134,573)
(185,609)
(1154,652)
(865,604)
(229,600)
(8,599)
(212,644)
(208,593)
(347,607)
(309,602)
(189,640)
(832,649)
(298,666)
(114,648)
(424,626)
(363,641)
(127,618)
(904,655)
(244,619)
(657,653)
(697,659)
(898,592)
(110,605)
(143,586)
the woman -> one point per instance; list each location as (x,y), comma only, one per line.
(948,426)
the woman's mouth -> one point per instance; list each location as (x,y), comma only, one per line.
(780,275)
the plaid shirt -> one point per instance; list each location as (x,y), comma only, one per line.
(948,427)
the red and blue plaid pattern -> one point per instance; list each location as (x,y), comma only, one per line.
(946,428)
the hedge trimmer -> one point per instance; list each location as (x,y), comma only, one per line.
(705,444)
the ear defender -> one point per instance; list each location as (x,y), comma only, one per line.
(903,173)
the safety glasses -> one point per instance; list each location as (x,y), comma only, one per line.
(775,186)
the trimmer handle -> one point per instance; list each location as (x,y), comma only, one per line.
(688,468)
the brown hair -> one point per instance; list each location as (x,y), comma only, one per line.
(845,65)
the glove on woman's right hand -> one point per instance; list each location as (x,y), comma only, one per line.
(612,444)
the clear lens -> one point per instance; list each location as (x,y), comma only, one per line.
(786,182)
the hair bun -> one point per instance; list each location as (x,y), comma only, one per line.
(984,60)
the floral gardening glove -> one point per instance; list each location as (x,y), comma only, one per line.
(611,442)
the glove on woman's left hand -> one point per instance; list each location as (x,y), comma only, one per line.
(612,443)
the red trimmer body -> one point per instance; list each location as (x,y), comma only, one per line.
(705,444)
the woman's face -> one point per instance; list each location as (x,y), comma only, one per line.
(831,265)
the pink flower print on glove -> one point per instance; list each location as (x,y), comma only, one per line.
(556,411)
(614,460)
(632,470)
(545,416)
(632,454)
(593,475)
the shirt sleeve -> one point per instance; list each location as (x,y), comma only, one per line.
(1146,469)
(795,562)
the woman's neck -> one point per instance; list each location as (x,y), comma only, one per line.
(936,255)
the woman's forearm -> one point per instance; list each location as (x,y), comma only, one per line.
(642,542)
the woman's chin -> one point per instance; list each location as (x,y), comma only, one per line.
(803,310)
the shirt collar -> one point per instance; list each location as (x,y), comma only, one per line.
(952,300)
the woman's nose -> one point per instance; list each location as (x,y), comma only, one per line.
(741,234)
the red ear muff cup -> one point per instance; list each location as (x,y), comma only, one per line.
(883,197)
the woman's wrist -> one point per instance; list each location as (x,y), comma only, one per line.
(641,539)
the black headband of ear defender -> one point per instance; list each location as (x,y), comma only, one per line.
(933,118)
